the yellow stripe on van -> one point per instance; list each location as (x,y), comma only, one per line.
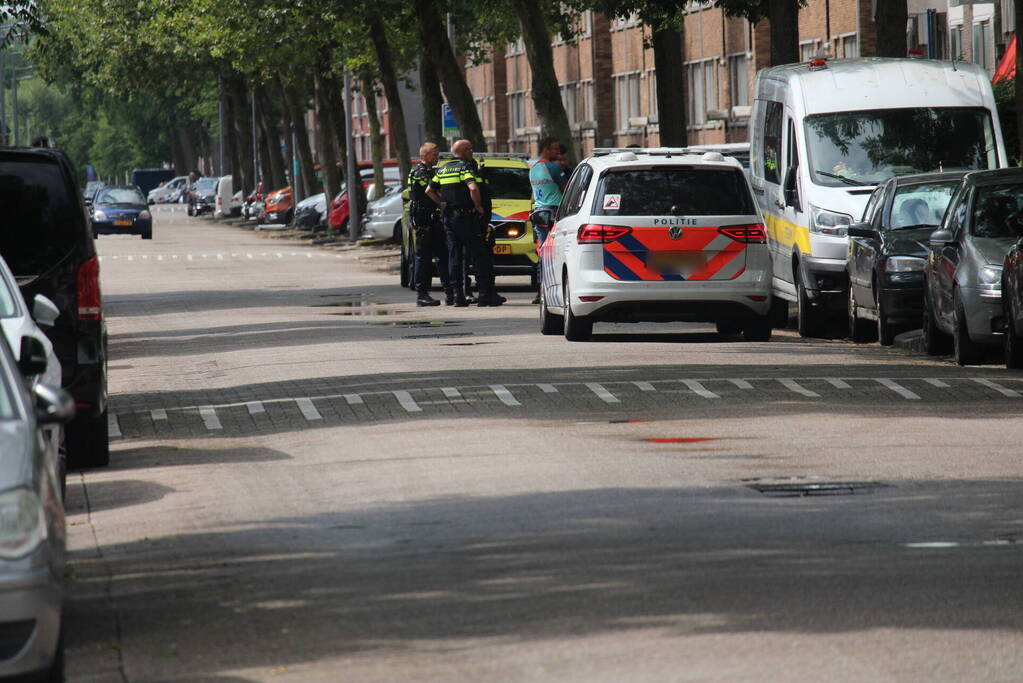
(783,232)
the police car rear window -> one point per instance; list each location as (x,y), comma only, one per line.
(674,191)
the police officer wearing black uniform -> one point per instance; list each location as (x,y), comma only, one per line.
(457,185)
(424,214)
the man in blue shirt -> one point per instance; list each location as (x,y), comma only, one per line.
(548,179)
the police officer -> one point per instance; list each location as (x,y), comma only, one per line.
(424,215)
(457,185)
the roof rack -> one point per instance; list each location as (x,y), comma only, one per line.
(493,155)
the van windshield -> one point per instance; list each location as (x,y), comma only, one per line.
(42,218)
(867,147)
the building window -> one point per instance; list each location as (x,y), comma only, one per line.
(586,24)
(955,42)
(981,52)
(809,49)
(850,46)
(569,91)
(628,22)
(738,80)
(651,85)
(703,90)
(626,99)
(516,111)
(588,111)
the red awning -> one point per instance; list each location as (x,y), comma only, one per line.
(1007,65)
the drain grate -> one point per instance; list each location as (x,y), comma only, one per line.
(830,488)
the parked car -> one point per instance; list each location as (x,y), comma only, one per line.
(383,216)
(278,207)
(32,533)
(887,252)
(169,192)
(227,203)
(339,209)
(253,204)
(121,210)
(311,212)
(963,273)
(91,187)
(202,196)
(52,253)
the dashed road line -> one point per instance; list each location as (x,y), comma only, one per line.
(255,407)
(741,384)
(353,399)
(794,386)
(548,388)
(644,386)
(898,389)
(997,387)
(506,396)
(936,383)
(451,392)
(308,409)
(407,402)
(158,414)
(209,417)
(698,389)
(602,393)
(839,384)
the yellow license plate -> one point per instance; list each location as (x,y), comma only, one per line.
(502,249)
(123,222)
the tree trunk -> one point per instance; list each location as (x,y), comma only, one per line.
(435,40)
(375,139)
(231,142)
(546,92)
(1018,79)
(671,103)
(267,116)
(429,86)
(783,16)
(178,152)
(389,79)
(332,93)
(326,146)
(890,18)
(242,120)
(296,111)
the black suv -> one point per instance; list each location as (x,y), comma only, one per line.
(48,244)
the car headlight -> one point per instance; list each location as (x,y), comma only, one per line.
(904,264)
(145,215)
(99,216)
(990,275)
(22,523)
(831,223)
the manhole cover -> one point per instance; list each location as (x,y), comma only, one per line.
(830,488)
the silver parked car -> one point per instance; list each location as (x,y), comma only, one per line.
(383,216)
(963,273)
(32,536)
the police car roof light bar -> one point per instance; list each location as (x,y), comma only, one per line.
(491,155)
(651,151)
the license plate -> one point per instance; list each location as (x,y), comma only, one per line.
(122,222)
(676,261)
(502,249)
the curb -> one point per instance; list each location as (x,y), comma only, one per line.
(910,341)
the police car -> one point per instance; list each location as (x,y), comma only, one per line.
(656,235)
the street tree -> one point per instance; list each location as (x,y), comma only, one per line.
(783,20)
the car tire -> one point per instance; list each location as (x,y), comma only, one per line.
(550,324)
(885,330)
(403,275)
(779,312)
(860,331)
(758,329)
(728,328)
(88,442)
(1013,342)
(808,318)
(935,341)
(148,234)
(965,351)
(577,328)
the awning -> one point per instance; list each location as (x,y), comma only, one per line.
(1007,64)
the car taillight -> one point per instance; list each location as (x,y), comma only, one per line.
(88,290)
(750,234)
(600,234)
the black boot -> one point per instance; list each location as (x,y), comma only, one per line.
(449,296)
(490,299)
(424,299)
(459,297)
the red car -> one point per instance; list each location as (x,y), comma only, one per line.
(338,216)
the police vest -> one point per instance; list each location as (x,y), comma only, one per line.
(418,180)
(452,182)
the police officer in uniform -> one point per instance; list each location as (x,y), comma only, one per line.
(424,214)
(456,184)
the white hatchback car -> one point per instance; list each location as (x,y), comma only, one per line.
(657,235)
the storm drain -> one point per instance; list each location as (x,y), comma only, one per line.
(805,489)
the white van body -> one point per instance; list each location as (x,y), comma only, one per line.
(226,203)
(829,134)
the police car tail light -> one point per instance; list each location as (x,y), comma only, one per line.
(601,234)
(750,234)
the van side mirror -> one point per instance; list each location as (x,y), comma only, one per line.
(865,230)
(32,359)
(44,311)
(791,189)
(941,238)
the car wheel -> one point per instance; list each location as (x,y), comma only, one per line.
(577,328)
(758,329)
(885,330)
(550,324)
(396,232)
(808,318)
(148,234)
(935,341)
(88,442)
(1013,342)
(728,328)
(859,329)
(964,350)
(404,268)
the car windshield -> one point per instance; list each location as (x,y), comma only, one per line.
(508,183)
(206,184)
(867,147)
(996,211)
(674,191)
(7,410)
(921,205)
(120,195)
(42,219)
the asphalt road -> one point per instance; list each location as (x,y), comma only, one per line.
(314,480)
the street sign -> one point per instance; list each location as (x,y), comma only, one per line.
(448,123)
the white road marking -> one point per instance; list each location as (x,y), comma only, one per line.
(741,383)
(158,414)
(189,257)
(353,399)
(839,383)
(933,544)
(248,255)
(644,386)
(159,257)
(220,257)
(898,389)
(131,258)
(209,417)
(602,393)
(451,392)
(699,389)
(937,383)
(794,386)
(407,402)
(309,410)
(255,407)
(997,387)
(548,388)
(280,255)
(145,257)
(113,427)
(506,396)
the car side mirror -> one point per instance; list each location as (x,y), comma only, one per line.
(865,230)
(44,311)
(53,404)
(791,189)
(543,218)
(941,238)
(32,359)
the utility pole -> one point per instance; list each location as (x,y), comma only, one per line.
(352,174)
(255,146)
(3,99)
(220,88)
